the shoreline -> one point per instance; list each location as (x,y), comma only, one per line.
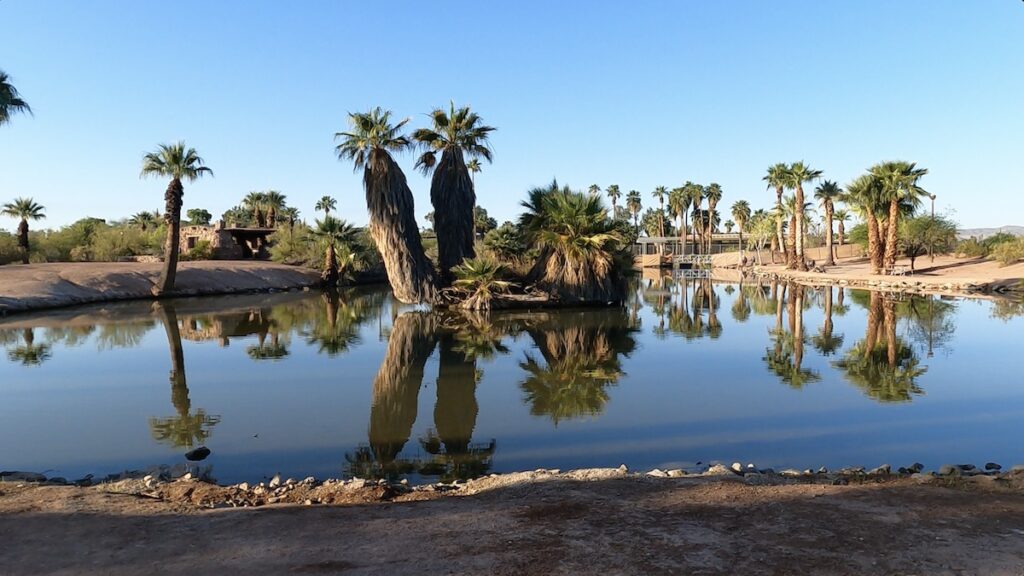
(34,287)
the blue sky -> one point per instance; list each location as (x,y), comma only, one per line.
(638,94)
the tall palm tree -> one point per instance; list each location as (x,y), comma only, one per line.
(457,133)
(696,193)
(178,163)
(614,193)
(679,205)
(24,209)
(275,203)
(11,102)
(797,175)
(841,217)
(741,214)
(473,166)
(326,204)
(713,192)
(594,190)
(634,204)
(369,144)
(335,232)
(866,196)
(776,178)
(827,193)
(899,184)
(660,194)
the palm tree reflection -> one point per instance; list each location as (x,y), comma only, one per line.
(785,357)
(186,429)
(28,353)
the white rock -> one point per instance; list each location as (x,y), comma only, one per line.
(676,473)
(243,486)
(275,481)
(737,467)
(658,473)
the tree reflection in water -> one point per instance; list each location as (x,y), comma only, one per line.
(882,364)
(186,429)
(28,353)
(785,357)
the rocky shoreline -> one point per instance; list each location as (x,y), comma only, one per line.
(193,485)
(899,284)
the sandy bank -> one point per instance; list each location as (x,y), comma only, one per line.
(40,286)
(585,522)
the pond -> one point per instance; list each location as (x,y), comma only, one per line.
(352,383)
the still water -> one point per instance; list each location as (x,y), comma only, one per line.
(353,383)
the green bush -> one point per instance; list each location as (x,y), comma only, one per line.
(1007,253)
(9,248)
(972,248)
(203,250)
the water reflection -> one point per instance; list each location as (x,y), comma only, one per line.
(28,353)
(786,355)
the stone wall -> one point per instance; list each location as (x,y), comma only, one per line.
(224,246)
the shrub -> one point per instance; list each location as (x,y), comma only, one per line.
(203,250)
(1007,253)
(477,281)
(971,248)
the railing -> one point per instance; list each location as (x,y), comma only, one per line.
(693,259)
(691,273)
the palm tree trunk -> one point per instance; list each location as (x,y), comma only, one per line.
(456,408)
(172,216)
(830,259)
(874,249)
(801,262)
(330,274)
(23,240)
(682,233)
(791,262)
(778,226)
(453,198)
(842,233)
(395,233)
(892,233)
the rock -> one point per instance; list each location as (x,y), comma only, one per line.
(59,480)
(737,467)
(84,481)
(657,473)
(308,502)
(966,467)
(949,470)
(356,483)
(852,470)
(1017,468)
(17,476)
(309,480)
(791,473)
(676,473)
(198,454)
(187,477)
(883,470)
(623,469)
(921,477)
(289,482)
(917,467)
(244,486)
(275,481)
(993,466)
(718,470)
(259,490)
(822,470)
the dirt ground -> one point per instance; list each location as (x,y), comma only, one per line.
(528,525)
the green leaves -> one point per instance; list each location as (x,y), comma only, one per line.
(174,161)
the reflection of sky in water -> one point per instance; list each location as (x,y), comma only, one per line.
(649,397)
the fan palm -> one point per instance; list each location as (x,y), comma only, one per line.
(478,281)
(776,178)
(866,196)
(741,214)
(335,232)
(24,209)
(369,144)
(473,166)
(713,192)
(841,217)
(178,163)
(679,205)
(899,185)
(274,202)
(143,220)
(634,204)
(696,193)
(660,194)
(457,133)
(11,102)
(326,204)
(827,193)
(594,190)
(255,203)
(797,175)
(614,194)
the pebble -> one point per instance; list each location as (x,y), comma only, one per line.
(718,470)
(737,467)
(676,473)
(275,481)
(623,469)
(791,473)
(243,486)
(187,477)
(308,502)
(309,480)
(198,454)
(658,473)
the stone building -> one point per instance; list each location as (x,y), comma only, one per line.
(227,243)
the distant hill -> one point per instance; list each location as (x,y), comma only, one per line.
(982,233)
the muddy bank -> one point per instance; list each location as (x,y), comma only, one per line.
(585,522)
(44,286)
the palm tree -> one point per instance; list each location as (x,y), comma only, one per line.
(777,179)
(826,341)
(11,102)
(255,202)
(326,204)
(335,232)
(456,133)
(614,194)
(713,192)
(865,195)
(696,192)
(368,144)
(143,220)
(275,203)
(179,163)
(729,225)
(741,214)
(594,190)
(679,205)
(660,194)
(827,193)
(798,174)
(582,257)
(898,181)
(634,205)
(473,166)
(24,209)
(841,217)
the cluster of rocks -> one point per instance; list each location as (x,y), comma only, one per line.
(153,475)
(841,476)
(896,284)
